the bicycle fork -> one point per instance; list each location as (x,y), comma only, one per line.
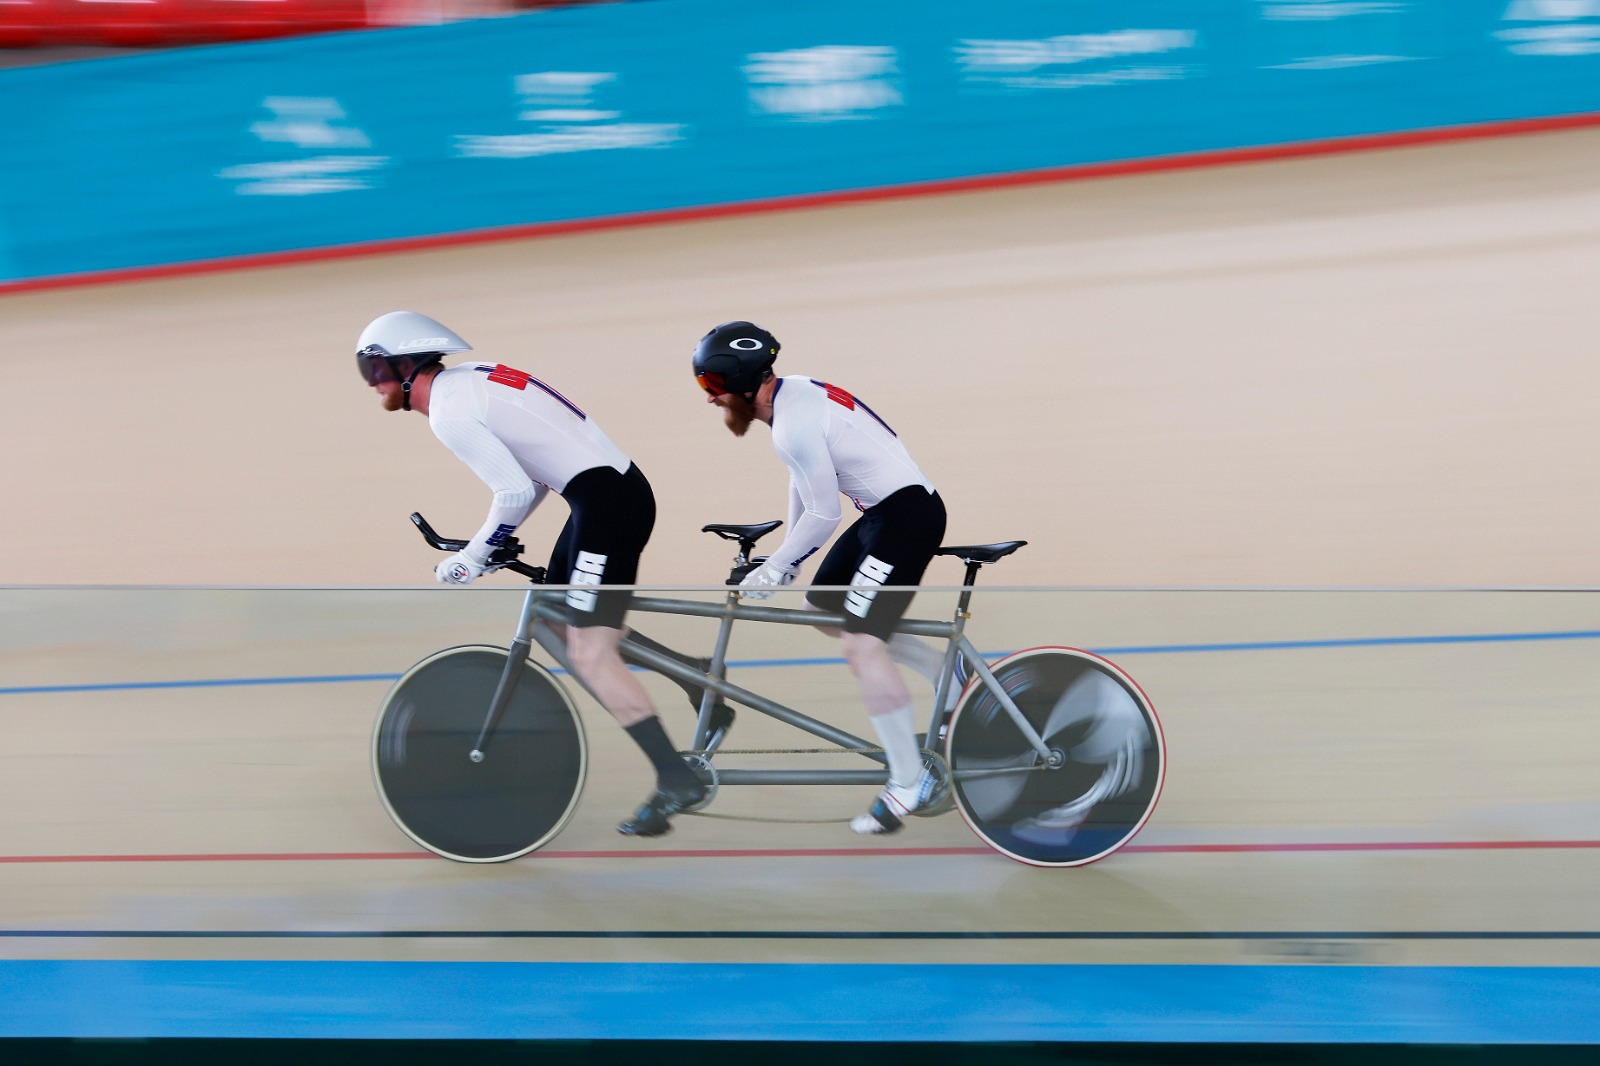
(521,645)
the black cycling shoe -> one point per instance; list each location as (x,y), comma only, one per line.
(651,819)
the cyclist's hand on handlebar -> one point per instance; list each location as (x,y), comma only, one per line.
(759,583)
(459,569)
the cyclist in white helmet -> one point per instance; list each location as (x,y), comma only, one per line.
(836,445)
(526,440)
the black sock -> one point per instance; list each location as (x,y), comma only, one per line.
(692,690)
(653,741)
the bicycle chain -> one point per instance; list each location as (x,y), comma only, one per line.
(760,818)
(782,751)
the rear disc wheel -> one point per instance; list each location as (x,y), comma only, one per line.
(1097,781)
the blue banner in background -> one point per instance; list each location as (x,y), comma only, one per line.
(664,104)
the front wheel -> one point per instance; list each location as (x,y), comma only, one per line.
(514,798)
(1095,784)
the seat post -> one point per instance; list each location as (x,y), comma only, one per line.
(973,566)
(975,555)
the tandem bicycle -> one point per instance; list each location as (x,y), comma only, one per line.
(1053,755)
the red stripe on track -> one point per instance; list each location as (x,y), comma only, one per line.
(1371,845)
(812,853)
(1076,172)
(279,856)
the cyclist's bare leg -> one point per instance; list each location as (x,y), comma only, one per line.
(722,715)
(888,702)
(914,653)
(593,652)
(594,655)
(882,688)
(893,718)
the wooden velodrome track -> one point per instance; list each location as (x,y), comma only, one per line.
(1368,370)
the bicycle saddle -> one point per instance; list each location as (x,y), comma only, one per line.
(750,533)
(981,553)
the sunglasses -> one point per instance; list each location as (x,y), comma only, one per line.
(714,384)
(374,368)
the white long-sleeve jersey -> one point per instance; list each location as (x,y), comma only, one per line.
(519,435)
(832,443)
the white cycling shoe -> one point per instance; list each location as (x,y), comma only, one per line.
(888,811)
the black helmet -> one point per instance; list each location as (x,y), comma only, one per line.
(734,357)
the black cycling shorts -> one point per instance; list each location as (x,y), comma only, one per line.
(890,545)
(612,516)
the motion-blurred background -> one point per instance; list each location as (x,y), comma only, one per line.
(1367,367)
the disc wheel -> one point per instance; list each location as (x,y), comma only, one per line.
(527,783)
(1102,776)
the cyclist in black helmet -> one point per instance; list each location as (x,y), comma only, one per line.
(835,445)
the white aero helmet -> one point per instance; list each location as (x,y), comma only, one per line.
(403,335)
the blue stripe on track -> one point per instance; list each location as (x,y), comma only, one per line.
(215,682)
(1111,652)
(754,1001)
(1352,642)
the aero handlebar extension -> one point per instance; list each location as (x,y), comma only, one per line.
(504,556)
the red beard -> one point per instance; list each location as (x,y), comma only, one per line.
(738,414)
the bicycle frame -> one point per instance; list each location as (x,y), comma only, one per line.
(542,607)
(1035,819)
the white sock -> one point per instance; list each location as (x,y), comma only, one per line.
(898,731)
